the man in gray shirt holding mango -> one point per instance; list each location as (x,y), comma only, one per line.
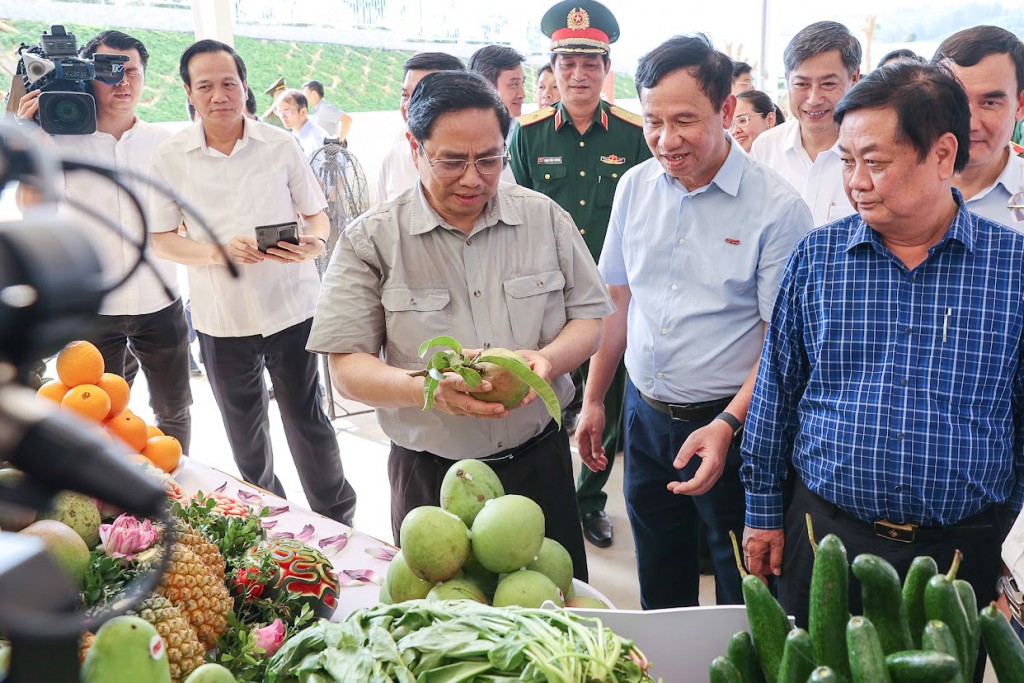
(492,265)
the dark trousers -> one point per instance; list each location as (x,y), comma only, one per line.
(666,526)
(159,342)
(590,485)
(979,539)
(541,471)
(235,368)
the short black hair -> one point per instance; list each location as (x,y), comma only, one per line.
(296,97)
(433,61)
(762,104)
(928,101)
(490,60)
(443,92)
(315,86)
(696,54)
(900,53)
(970,46)
(740,68)
(115,40)
(544,68)
(207,46)
(819,38)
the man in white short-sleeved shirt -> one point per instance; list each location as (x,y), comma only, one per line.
(822,63)
(242,174)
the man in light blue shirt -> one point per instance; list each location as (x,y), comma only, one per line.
(696,244)
(293,109)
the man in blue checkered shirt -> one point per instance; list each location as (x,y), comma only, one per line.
(889,394)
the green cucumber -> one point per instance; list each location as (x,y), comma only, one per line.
(797,657)
(882,595)
(723,671)
(970,604)
(942,602)
(922,666)
(867,661)
(937,637)
(830,606)
(768,621)
(921,569)
(743,655)
(1004,647)
(823,674)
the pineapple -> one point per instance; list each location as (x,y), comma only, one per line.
(195,590)
(184,651)
(206,551)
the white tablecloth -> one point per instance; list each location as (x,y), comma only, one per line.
(359,556)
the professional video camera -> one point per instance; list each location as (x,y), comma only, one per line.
(66,104)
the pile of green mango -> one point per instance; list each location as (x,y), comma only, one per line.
(927,630)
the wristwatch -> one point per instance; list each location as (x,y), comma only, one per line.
(1006,585)
(731,420)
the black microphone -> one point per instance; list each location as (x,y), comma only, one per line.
(66,453)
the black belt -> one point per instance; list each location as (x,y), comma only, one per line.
(908,533)
(688,412)
(525,447)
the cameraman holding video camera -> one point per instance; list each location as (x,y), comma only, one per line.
(137,318)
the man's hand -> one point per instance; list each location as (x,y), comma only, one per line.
(1004,606)
(243,249)
(711,444)
(28,105)
(762,551)
(309,247)
(590,437)
(540,365)
(455,397)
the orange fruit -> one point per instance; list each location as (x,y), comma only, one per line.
(118,391)
(130,428)
(79,363)
(88,400)
(164,452)
(55,390)
(154,431)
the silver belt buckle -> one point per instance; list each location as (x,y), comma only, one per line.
(1014,598)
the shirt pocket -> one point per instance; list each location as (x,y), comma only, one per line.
(607,180)
(536,308)
(413,315)
(547,177)
(268,199)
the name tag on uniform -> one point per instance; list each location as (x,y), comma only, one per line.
(614,159)
(549,160)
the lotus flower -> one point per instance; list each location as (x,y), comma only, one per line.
(127,537)
(270,637)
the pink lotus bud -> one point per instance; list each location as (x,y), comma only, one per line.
(270,637)
(127,537)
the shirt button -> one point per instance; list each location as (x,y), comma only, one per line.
(583,174)
(899,435)
(582,144)
(540,283)
(547,176)
(500,444)
(476,292)
(904,382)
(675,287)
(583,231)
(907,331)
(660,375)
(583,202)
(469,243)
(682,241)
(664,330)
(897,488)
(615,175)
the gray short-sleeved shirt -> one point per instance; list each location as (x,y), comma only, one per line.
(401,275)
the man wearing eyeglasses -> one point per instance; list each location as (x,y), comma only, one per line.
(989,62)
(493,265)
(575,152)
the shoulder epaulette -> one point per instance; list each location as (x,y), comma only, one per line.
(1016,149)
(628,116)
(534,117)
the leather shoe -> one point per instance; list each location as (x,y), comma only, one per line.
(597,528)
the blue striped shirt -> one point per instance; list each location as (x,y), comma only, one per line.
(895,394)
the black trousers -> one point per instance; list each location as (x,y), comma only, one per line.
(541,471)
(160,343)
(235,368)
(979,538)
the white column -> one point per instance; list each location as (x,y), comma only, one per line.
(214,19)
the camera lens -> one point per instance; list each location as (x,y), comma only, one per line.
(68,113)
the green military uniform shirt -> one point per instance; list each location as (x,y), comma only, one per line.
(579,172)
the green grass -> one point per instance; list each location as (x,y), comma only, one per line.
(355,78)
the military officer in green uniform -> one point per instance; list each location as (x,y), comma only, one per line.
(575,151)
(270,115)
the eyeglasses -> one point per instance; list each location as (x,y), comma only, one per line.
(742,120)
(446,169)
